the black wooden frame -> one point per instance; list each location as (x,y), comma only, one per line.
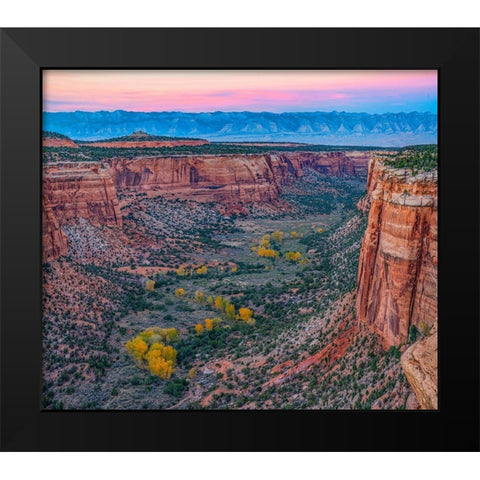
(25,52)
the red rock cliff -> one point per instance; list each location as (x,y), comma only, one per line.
(81,190)
(397,274)
(54,241)
(228,178)
(420,364)
(219,178)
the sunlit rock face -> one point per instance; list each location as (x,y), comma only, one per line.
(81,190)
(397,275)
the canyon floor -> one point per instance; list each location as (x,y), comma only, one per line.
(305,351)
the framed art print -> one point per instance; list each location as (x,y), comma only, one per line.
(244,243)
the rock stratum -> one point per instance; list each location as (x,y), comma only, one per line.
(90,190)
(397,275)
(81,190)
(420,364)
(55,242)
(229,179)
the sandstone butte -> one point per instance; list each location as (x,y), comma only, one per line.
(58,142)
(397,273)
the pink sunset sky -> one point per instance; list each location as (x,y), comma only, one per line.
(371,91)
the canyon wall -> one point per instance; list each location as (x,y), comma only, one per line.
(397,276)
(420,364)
(229,178)
(81,190)
(89,190)
(206,178)
(54,241)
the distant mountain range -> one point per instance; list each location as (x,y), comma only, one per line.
(334,128)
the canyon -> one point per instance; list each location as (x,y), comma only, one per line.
(129,201)
(89,190)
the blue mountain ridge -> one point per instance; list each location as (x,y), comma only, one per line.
(334,128)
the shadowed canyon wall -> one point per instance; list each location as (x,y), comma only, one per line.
(54,241)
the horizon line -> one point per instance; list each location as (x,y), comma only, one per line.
(238,111)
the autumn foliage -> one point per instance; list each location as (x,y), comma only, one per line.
(293,256)
(150,352)
(267,252)
(149,285)
(244,314)
(277,236)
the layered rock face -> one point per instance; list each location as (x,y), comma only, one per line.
(216,178)
(329,163)
(229,178)
(420,364)
(88,190)
(54,241)
(81,190)
(397,276)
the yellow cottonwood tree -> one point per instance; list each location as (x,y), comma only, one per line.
(220,303)
(149,285)
(199,296)
(230,311)
(156,357)
(266,252)
(244,314)
(277,235)
(293,256)
(180,292)
(181,271)
(208,324)
(198,328)
(137,347)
